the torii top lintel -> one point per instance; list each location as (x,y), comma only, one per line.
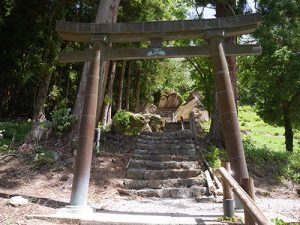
(164,30)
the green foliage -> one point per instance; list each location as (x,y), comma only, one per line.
(14,131)
(127,123)
(264,146)
(272,80)
(230,219)
(122,119)
(62,120)
(278,221)
(29,47)
(44,157)
(215,156)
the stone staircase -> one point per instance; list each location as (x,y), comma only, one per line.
(164,166)
(176,126)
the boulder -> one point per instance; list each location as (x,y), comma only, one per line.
(169,100)
(193,104)
(150,108)
(156,122)
(134,123)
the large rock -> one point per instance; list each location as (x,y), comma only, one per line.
(169,100)
(150,108)
(193,104)
(134,123)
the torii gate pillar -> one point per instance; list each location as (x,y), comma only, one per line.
(227,106)
(86,134)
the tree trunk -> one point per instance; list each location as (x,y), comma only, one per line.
(289,135)
(107,13)
(106,118)
(38,132)
(39,106)
(137,92)
(128,86)
(120,87)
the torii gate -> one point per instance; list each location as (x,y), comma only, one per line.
(99,35)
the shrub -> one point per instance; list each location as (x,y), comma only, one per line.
(128,123)
(214,156)
(121,120)
(62,120)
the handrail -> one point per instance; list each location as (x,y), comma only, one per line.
(248,203)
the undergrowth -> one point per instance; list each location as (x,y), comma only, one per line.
(13,132)
(264,147)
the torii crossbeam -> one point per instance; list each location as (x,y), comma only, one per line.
(212,30)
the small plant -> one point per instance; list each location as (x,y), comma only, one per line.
(215,156)
(230,219)
(4,149)
(279,221)
(62,120)
(44,157)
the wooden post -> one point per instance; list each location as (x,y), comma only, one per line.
(248,203)
(228,201)
(248,185)
(193,125)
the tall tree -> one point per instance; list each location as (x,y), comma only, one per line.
(107,13)
(272,80)
(108,100)
(127,94)
(120,87)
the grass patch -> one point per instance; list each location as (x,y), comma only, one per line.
(264,146)
(13,132)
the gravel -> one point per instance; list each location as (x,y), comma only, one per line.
(287,209)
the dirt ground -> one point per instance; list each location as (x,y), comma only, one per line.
(50,189)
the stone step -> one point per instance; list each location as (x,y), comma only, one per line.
(152,165)
(157,135)
(192,192)
(143,174)
(155,146)
(158,184)
(158,152)
(164,157)
(166,141)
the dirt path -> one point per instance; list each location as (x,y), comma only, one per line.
(48,190)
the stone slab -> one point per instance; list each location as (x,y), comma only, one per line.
(106,218)
(157,184)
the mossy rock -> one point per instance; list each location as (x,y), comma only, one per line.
(132,123)
(156,123)
(127,123)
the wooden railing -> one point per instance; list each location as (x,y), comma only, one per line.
(252,211)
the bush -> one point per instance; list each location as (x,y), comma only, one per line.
(62,120)
(214,156)
(128,123)
(121,120)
